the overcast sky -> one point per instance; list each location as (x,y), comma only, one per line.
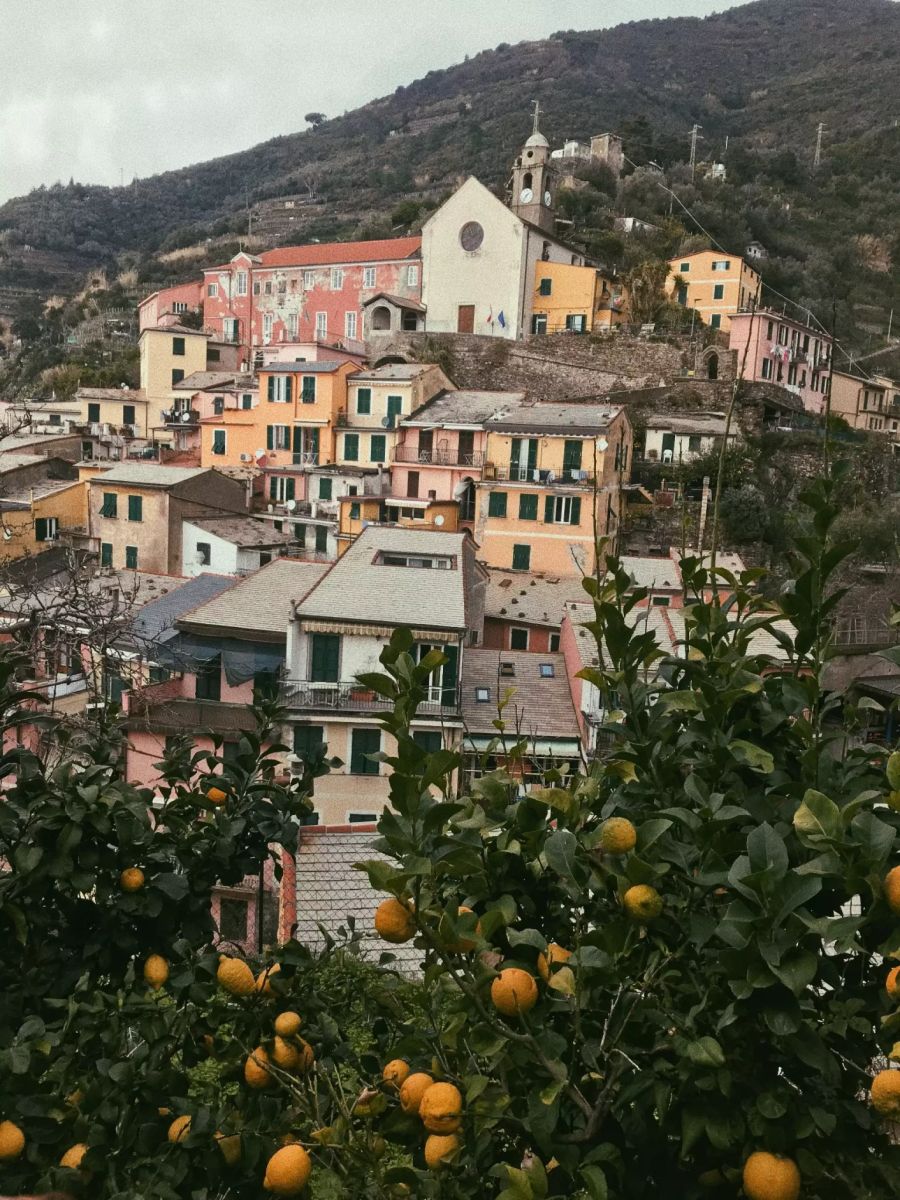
(104,90)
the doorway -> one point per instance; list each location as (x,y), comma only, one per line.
(465,318)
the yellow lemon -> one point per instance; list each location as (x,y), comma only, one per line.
(642,902)
(12,1141)
(886,1094)
(617,836)
(131,879)
(73,1156)
(215,795)
(771,1177)
(287,1024)
(264,979)
(394,922)
(556,955)
(441,1108)
(235,976)
(179,1129)
(514,991)
(439,1147)
(892,890)
(156,971)
(256,1069)
(395,1073)
(412,1090)
(287,1171)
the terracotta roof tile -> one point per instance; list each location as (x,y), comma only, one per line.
(322,254)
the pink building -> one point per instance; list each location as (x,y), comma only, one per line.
(181,299)
(782,351)
(309,293)
(205,394)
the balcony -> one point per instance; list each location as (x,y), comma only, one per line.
(439,457)
(153,711)
(179,418)
(514,473)
(350,697)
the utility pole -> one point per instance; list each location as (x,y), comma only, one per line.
(818,155)
(695,134)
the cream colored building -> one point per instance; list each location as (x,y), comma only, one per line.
(871,403)
(122,410)
(377,400)
(169,353)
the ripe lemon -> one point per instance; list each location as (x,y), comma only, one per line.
(215,795)
(235,976)
(438,1147)
(287,1171)
(395,1073)
(287,1024)
(156,971)
(12,1141)
(514,991)
(256,1069)
(617,836)
(771,1177)
(285,1055)
(462,945)
(886,1094)
(642,902)
(394,922)
(230,1146)
(892,770)
(73,1156)
(412,1090)
(556,955)
(441,1108)
(131,879)
(892,890)
(179,1129)
(264,979)
(892,984)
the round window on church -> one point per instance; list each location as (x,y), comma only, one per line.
(471,236)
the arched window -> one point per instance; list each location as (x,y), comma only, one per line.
(381,317)
(526,180)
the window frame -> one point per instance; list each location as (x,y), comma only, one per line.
(359,762)
(131,558)
(364,401)
(521,556)
(135,508)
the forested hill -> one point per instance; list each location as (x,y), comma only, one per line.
(762,75)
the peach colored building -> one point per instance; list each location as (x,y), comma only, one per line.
(715,284)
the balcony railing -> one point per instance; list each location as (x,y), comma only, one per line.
(439,458)
(515,473)
(178,417)
(350,696)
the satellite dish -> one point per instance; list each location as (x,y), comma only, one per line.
(439,520)
(602,443)
(185,416)
(259,454)
(290,505)
(271,507)
(387,422)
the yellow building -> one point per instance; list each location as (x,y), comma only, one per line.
(717,285)
(169,353)
(124,410)
(569,298)
(552,485)
(35,517)
(377,401)
(356,512)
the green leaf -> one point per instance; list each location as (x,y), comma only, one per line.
(176,887)
(706,1052)
(874,835)
(797,971)
(752,756)
(818,819)
(651,831)
(559,850)
(595,1182)
(526,937)
(767,851)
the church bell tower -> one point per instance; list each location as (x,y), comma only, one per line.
(533,183)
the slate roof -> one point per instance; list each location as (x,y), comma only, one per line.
(124,394)
(393,372)
(259,603)
(534,599)
(322,254)
(585,419)
(14,462)
(541,707)
(199,381)
(655,572)
(328,890)
(243,531)
(703,423)
(157,618)
(466,407)
(147,475)
(356,588)
(320,367)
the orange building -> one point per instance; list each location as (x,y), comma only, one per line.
(717,285)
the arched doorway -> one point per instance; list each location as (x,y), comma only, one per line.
(712,367)
(381,317)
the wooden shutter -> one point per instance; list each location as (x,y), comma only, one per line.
(548,509)
(450,674)
(273,487)
(270,389)
(314,442)
(289,490)
(576,511)
(326,648)
(288,389)
(298,439)
(364,742)
(40,529)
(308,739)
(270,437)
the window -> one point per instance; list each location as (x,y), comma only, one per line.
(412,276)
(308,739)
(368,277)
(482,695)
(246,401)
(694,443)
(158,674)
(767,368)
(242,283)
(721,264)
(256,287)
(93,413)
(218,442)
(131,558)
(497,504)
(471,236)
(539,323)
(325,488)
(212,290)
(293,326)
(715,321)
(547,670)
(278,437)
(364,401)
(309,279)
(364,742)
(230,328)
(127,414)
(571,463)
(361,818)
(135,508)
(660,602)
(576,322)
(770,329)
(428,740)
(208,685)
(322,539)
(218,405)
(351,448)
(394,408)
(46,529)
(204,553)
(518,639)
(350,324)
(337,279)
(321,325)
(110,505)
(554,642)
(521,557)
(178,347)
(377,444)
(106,554)
(545,287)
(177,376)
(281,488)
(562,510)
(719,291)
(267,327)
(354,512)
(268,287)
(308,390)
(280,389)
(684,268)
(234,915)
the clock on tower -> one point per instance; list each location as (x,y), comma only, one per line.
(533,183)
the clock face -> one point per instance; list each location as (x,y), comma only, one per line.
(471,236)
(548,199)
(526,195)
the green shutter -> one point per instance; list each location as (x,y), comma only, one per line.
(324,657)
(364,401)
(270,437)
(364,742)
(572,456)
(576,511)
(270,389)
(308,739)
(528,507)
(394,406)
(40,529)
(313,443)
(309,389)
(548,509)
(288,389)
(377,448)
(322,538)
(273,487)
(106,554)
(289,489)
(428,740)
(497,504)
(110,506)
(450,675)
(324,488)
(131,558)
(521,558)
(351,447)
(135,508)
(297,443)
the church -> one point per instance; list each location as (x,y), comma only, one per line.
(479,255)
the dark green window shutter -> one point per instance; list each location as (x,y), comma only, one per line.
(572,456)
(548,509)
(528,507)
(428,740)
(364,742)
(322,538)
(131,558)
(297,442)
(324,658)
(313,442)
(308,739)
(273,487)
(135,508)
(497,504)
(270,437)
(289,489)
(546,287)
(351,447)
(309,389)
(521,558)
(364,400)
(576,511)
(288,389)
(354,512)
(377,448)
(110,506)
(218,446)
(106,554)
(270,388)
(394,406)
(451,675)
(325,488)
(40,529)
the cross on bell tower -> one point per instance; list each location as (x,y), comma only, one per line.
(533,183)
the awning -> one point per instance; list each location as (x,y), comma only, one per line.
(535,747)
(241,660)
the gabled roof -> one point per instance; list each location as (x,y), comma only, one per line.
(175,328)
(541,706)
(242,531)
(319,367)
(580,419)
(147,475)
(399,301)
(530,599)
(260,603)
(466,407)
(392,372)
(199,381)
(323,254)
(157,618)
(126,395)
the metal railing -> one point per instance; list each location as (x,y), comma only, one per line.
(439,457)
(519,474)
(350,696)
(181,417)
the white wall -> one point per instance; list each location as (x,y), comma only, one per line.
(223,555)
(682,453)
(358,653)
